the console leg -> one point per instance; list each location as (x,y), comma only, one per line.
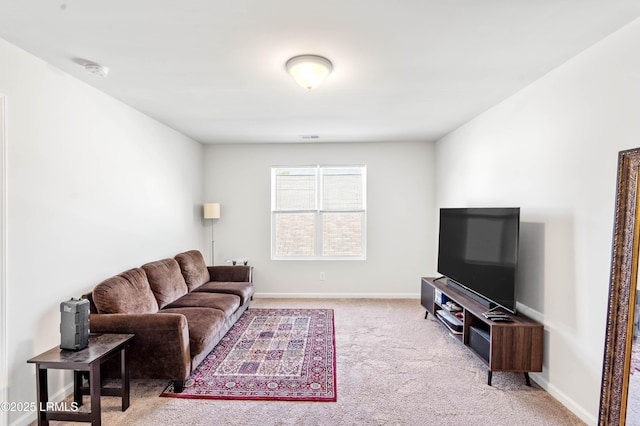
(526,378)
(489,374)
(426,314)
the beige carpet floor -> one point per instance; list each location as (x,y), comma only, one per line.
(393,368)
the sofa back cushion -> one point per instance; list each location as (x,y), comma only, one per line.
(126,293)
(194,269)
(166,281)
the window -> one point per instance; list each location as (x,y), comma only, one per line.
(318,212)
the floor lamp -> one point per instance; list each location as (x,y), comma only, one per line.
(212,211)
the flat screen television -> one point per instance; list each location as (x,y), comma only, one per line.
(478,251)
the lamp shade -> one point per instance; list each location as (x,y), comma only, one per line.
(309,70)
(212,211)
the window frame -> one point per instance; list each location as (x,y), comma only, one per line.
(318,213)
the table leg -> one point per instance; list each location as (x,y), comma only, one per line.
(42,387)
(94,386)
(77,387)
(124,376)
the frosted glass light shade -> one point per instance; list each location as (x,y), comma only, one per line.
(212,211)
(309,70)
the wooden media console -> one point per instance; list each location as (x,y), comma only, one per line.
(515,345)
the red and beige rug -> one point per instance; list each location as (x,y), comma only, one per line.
(270,354)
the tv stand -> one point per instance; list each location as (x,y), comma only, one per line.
(514,346)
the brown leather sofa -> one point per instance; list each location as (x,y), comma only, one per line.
(179,309)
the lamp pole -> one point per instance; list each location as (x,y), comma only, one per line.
(212,243)
(212,211)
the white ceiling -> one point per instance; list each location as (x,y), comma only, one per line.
(404,70)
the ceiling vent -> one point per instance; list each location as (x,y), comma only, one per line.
(96,69)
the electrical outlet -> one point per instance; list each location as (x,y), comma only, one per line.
(321,276)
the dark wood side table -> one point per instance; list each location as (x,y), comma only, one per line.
(101,347)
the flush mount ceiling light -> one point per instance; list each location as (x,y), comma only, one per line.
(309,70)
(96,69)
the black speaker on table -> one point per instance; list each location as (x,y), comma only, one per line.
(74,324)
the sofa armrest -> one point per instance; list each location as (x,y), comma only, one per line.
(161,347)
(239,273)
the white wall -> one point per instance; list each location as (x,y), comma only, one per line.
(552,149)
(94,188)
(400,217)
(4,376)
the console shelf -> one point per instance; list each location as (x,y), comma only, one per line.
(514,346)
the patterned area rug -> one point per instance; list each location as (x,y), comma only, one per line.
(270,354)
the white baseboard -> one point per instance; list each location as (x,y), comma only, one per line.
(572,405)
(530,312)
(575,408)
(338,295)
(31,416)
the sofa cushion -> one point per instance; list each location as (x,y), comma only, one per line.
(204,324)
(193,267)
(126,293)
(227,303)
(241,289)
(166,281)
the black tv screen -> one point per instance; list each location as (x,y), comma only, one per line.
(478,249)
